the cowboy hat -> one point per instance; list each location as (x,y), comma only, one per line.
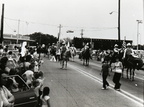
(115,45)
(128,44)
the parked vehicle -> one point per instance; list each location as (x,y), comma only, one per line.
(24,96)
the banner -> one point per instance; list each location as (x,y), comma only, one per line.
(70,31)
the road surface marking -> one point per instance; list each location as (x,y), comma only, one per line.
(122,92)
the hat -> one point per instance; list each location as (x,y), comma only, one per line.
(115,45)
(128,44)
(87,44)
(63,43)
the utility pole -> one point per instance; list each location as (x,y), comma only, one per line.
(18,31)
(2,24)
(81,33)
(119,22)
(59,33)
(82,36)
(138,22)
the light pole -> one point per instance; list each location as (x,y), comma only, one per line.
(118,21)
(18,32)
(138,22)
(59,33)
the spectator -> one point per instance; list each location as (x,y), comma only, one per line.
(105,73)
(45,97)
(117,74)
(53,52)
(3,63)
(29,76)
(38,85)
(6,96)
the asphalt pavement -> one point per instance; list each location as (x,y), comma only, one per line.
(80,86)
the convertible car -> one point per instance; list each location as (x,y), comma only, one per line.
(24,95)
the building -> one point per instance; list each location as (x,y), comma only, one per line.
(15,39)
(102,44)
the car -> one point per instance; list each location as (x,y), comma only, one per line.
(24,95)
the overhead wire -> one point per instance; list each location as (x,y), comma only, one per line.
(72,27)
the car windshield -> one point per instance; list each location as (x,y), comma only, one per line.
(16,84)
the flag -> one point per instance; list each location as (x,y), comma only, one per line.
(68,45)
(69,31)
(124,44)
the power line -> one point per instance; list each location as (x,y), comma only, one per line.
(72,27)
(9,26)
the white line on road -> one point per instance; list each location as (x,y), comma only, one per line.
(122,92)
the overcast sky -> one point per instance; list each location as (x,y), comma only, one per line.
(91,15)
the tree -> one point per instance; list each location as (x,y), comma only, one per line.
(41,38)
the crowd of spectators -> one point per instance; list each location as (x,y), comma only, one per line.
(28,68)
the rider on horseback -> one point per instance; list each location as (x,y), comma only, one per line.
(116,50)
(129,56)
(63,49)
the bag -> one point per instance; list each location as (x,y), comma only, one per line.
(117,70)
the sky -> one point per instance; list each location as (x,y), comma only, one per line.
(45,16)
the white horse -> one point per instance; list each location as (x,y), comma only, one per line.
(73,52)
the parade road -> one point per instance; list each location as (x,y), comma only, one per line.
(80,86)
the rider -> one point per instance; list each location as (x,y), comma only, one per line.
(116,50)
(128,52)
(130,56)
(63,49)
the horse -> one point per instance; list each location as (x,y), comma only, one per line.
(132,64)
(65,58)
(86,56)
(73,52)
(129,64)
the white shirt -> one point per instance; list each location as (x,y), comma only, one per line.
(29,75)
(4,95)
(44,100)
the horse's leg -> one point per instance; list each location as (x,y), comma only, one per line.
(127,73)
(130,74)
(72,57)
(133,75)
(66,64)
(62,63)
(122,72)
(88,62)
(83,61)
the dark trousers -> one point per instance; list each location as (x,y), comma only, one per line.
(105,83)
(116,80)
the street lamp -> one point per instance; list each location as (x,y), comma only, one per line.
(138,22)
(113,12)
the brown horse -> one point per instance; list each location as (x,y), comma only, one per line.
(86,56)
(65,58)
(130,64)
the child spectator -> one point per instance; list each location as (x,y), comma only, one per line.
(105,73)
(45,97)
(38,85)
(118,66)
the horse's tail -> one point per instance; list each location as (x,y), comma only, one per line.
(140,64)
